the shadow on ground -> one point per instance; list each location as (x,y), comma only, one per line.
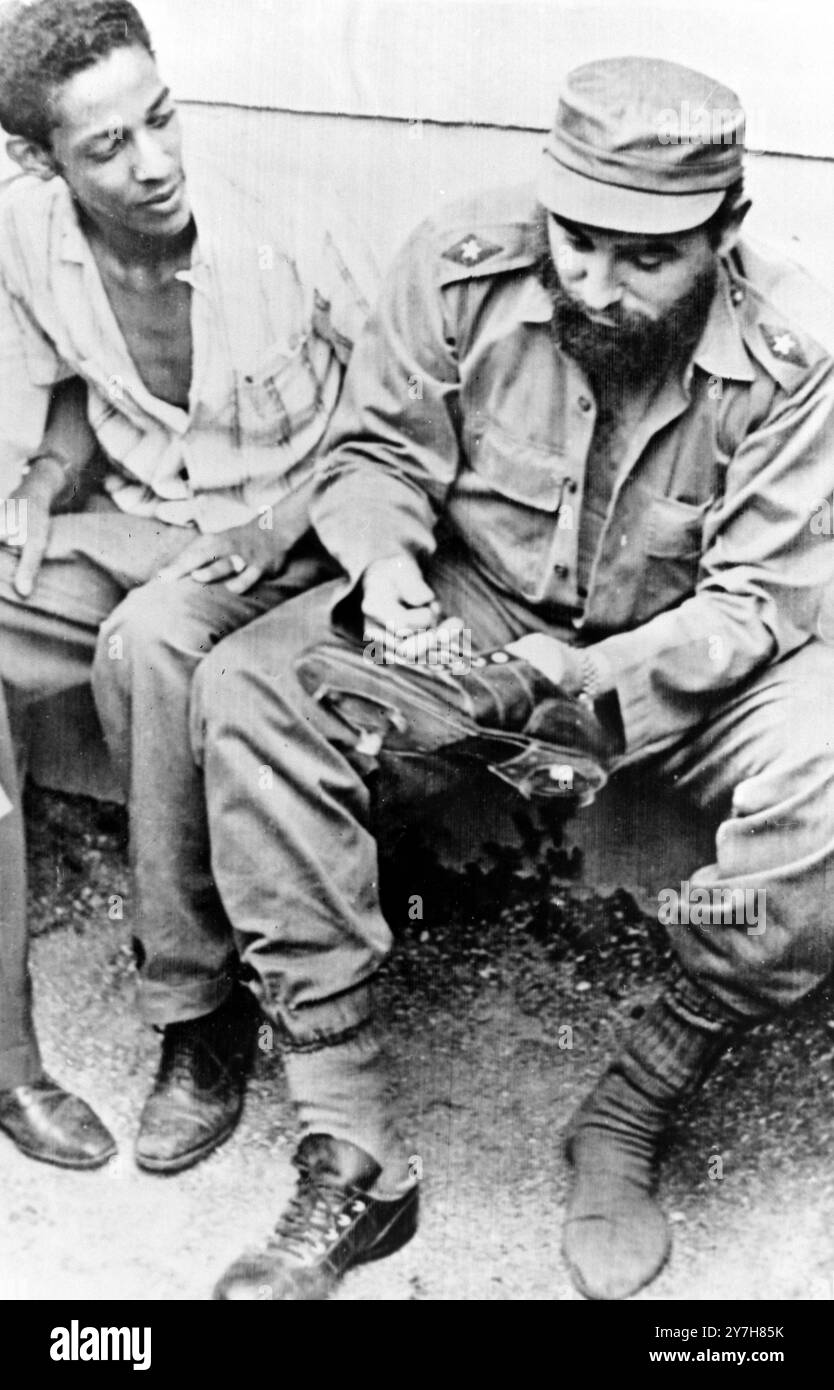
(501,1003)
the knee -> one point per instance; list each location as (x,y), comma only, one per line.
(242,676)
(151,624)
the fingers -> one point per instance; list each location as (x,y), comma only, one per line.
(446,646)
(32,553)
(436,642)
(396,597)
(201,554)
(246,579)
(220,568)
(386,611)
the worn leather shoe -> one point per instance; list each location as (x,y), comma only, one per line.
(502,711)
(331,1224)
(197,1097)
(48,1123)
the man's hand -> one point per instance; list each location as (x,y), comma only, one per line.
(242,556)
(26,519)
(559,662)
(398,606)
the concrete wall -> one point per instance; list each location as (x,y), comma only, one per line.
(440,96)
(403,103)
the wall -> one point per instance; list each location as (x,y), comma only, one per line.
(404,103)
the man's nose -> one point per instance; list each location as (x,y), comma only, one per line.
(599,286)
(151,162)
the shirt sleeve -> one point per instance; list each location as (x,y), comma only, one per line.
(29,367)
(345,279)
(392,449)
(762,578)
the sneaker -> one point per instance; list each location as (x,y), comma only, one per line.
(331,1224)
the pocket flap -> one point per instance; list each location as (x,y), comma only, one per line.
(675,528)
(517,469)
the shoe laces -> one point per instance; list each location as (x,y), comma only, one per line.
(181,1060)
(318,1215)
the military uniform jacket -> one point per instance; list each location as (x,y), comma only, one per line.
(461,416)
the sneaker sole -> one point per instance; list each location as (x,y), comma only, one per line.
(397,1234)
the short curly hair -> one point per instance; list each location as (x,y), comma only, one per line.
(45,42)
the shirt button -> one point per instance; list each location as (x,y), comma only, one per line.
(561,571)
(571,485)
(584,403)
(623,542)
(736,295)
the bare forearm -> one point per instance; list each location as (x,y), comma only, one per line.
(69,451)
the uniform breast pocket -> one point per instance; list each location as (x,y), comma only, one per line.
(280,393)
(673,548)
(507,504)
(517,468)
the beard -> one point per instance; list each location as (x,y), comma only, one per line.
(634,350)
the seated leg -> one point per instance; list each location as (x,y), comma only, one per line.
(753,934)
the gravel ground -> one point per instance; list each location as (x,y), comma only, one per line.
(501,1005)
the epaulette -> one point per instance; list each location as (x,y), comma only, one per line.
(774,335)
(487,235)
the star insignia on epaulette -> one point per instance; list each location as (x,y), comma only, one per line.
(783,345)
(471,250)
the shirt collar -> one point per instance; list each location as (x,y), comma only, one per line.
(720,350)
(75,247)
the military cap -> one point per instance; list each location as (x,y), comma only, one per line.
(641,145)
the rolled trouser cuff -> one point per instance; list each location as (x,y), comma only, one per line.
(311,1027)
(677,1042)
(694,1004)
(161,1004)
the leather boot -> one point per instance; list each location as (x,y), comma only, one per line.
(51,1124)
(197,1096)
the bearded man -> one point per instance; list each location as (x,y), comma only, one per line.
(578,426)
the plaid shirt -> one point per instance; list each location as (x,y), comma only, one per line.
(276,304)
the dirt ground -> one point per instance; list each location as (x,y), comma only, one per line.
(501,1005)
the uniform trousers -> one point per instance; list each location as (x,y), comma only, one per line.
(295,856)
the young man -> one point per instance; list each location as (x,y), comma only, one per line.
(576,424)
(209,332)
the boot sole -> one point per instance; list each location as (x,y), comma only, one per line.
(85,1165)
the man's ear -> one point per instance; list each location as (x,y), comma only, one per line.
(32,157)
(731,232)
